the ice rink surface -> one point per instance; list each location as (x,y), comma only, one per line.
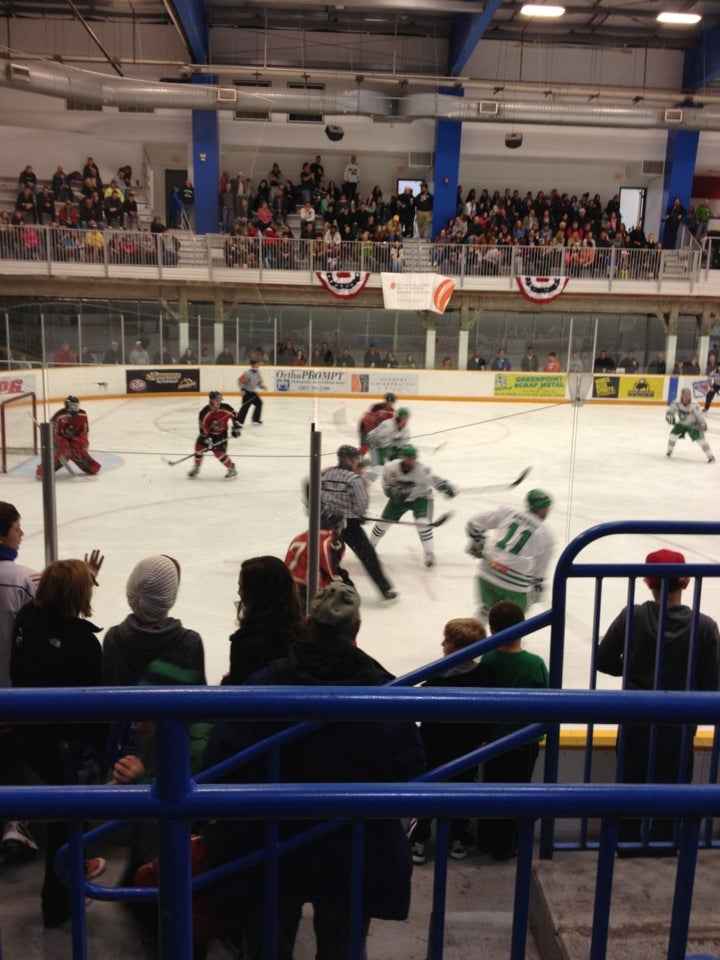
(599,462)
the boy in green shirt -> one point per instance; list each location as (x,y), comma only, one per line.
(513,667)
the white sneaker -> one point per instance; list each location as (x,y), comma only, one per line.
(417,850)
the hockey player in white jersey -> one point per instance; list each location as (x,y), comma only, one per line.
(385,440)
(687,420)
(409,485)
(514,560)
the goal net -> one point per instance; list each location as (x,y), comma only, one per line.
(18,430)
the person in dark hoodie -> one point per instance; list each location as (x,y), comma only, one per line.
(55,646)
(644,623)
(318,872)
(149,633)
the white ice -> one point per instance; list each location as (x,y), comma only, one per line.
(599,463)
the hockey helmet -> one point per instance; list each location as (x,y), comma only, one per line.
(330,519)
(390,397)
(347,452)
(215,395)
(402,412)
(686,392)
(407,452)
(72,405)
(538,500)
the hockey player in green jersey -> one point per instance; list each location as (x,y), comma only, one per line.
(687,420)
(409,486)
(515,558)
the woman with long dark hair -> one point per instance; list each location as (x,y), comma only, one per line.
(271,620)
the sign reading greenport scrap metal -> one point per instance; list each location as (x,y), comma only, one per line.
(529,385)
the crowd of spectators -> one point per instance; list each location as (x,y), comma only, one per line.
(343,226)
(89,221)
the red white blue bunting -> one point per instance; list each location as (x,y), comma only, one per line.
(541,289)
(342,283)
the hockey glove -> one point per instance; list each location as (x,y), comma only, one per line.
(538,591)
(236,429)
(444,486)
(476,546)
(207,442)
(670,417)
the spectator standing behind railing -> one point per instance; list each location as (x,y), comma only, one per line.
(513,667)
(643,625)
(359,751)
(500,361)
(702,219)
(54,645)
(530,360)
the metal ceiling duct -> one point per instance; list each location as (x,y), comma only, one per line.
(71,83)
(417,105)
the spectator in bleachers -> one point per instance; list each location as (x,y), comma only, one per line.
(604,363)
(112,354)
(157,226)
(130,211)
(27,205)
(139,355)
(147,248)
(226,357)
(114,207)
(227,208)
(114,187)
(476,361)
(692,368)
(530,360)
(124,175)
(397,255)
(345,359)
(299,360)
(500,361)
(351,178)
(188,358)
(62,185)
(162,356)
(629,363)
(552,364)
(27,178)
(68,215)
(175,207)
(90,171)
(45,206)
(64,354)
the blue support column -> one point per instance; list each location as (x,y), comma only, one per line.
(206,164)
(680,157)
(448,136)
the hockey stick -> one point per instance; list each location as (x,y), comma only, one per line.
(410,523)
(172,463)
(498,487)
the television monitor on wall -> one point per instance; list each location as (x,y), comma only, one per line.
(405,182)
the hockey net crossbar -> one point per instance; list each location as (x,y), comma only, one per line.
(18,431)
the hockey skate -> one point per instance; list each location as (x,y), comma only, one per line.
(389,594)
(231,474)
(194,471)
(429,559)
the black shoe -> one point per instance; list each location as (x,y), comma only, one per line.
(389,594)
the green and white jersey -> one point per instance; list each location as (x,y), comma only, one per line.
(388,434)
(518,549)
(687,414)
(414,485)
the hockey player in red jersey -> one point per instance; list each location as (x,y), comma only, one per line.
(71,439)
(375,415)
(332,550)
(213,422)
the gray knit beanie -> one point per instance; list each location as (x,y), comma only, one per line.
(335,604)
(152,587)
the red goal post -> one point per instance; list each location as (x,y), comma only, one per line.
(18,426)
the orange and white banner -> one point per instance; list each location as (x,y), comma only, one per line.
(416,291)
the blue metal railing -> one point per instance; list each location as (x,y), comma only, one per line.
(175,799)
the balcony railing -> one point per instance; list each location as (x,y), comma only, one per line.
(227,258)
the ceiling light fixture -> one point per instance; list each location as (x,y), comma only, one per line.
(679,19)
(538,10)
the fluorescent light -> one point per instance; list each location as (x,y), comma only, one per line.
(537,10)
(687,19)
